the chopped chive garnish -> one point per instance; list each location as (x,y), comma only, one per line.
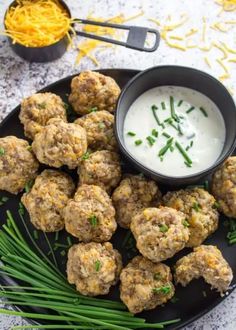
(85,155)
(206,185)
(185,223)
(36,234)
(66,105)
(93,220)
(203,111)
(29,185)
(157,276)
(59,245)
(166,135)
(69,241)
(172,148)
(2,151)
(163,289)
(180,102)
(150,140)
(183,152)
(97,265)
(3,200)
(56,235)
(63,253)
(42,105)
(196,206)
(163,228)
(138,142)
(174,300)
(172,109)
(190,109)
(154,108)
(131,134)
(180,130)
(216,205)
(155,132)
(168,120)
(101,125)
(163,105)
(191,143)
(187,148)
(21,209)
(188,164)
(165,148)
(93,109)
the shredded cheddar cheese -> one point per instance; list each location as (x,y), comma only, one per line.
(206,59)
(37,23)
(227,5)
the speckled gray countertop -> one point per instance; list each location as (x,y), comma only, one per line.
(19,79)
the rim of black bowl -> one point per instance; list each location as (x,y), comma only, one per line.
(62,2)
(146,169)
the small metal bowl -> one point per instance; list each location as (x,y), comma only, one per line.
(41,54)
(185,77)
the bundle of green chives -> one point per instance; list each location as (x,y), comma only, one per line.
(46,287)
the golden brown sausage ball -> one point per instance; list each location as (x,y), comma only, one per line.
(38,109)
(99,129)
(47,198)
(101,168)
(92,90)
(200,210)
(93,267)
(90,216)
(224,187)
(145,285)
(60,143)
(132,195)
(18,164)
(205,261)
(159,232)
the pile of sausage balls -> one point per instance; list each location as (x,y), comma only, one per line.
(105,198)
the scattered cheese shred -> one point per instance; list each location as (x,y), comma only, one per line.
(227,5)
(191,32)
(233,60)
(206,59)
(204,29)
(224,67)
(229,49)
(222,49)
(37,23)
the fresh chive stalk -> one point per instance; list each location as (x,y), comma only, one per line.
(155,132)
(163,105)
(166,135)
(138,142)
(180,102)
(150,140)
(46,287)
(165,148)
(131,133)
(172,109)
(203,111)
(183,153)
(154,108)
(190,109)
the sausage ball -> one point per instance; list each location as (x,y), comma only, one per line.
(224,187)
(159,232)
(99,129)
(92,90)
(205,261)
(37,109)
(132,195)
(145,285)
(93,267)
(200,210)
(18,166)
(90,216)
(101,168)
(47,198)
(60,143)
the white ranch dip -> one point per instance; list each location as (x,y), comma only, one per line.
(193,127)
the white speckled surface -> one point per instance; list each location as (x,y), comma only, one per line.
(19,79)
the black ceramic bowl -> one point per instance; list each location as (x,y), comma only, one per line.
(185,77)
(41,54)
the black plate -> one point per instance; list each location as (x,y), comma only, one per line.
(194,300)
